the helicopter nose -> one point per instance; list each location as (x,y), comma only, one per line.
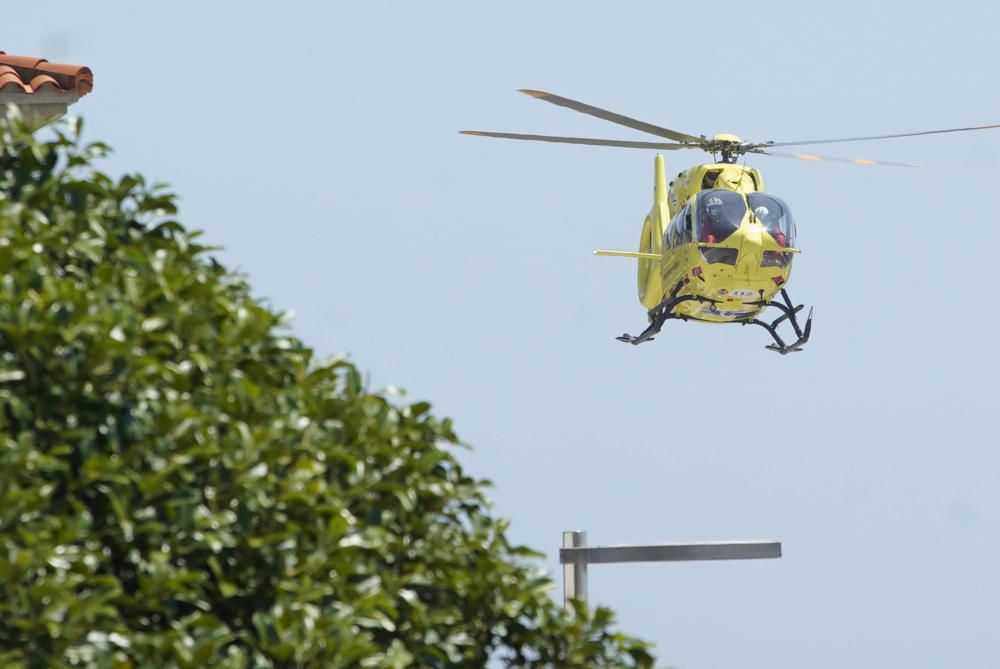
(751,250)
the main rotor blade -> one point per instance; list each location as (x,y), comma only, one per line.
(611,116)
(856,161)
(863,139)
(581,140)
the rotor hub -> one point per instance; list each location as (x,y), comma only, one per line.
(730,146)
(726,138)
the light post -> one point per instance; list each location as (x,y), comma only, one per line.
(575,555)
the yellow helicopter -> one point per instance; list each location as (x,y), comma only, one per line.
(714,247)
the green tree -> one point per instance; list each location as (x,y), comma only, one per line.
(182,484)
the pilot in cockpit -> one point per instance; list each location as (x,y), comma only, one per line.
(711,219)
(771,223)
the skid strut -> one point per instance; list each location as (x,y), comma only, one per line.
(789,313)
(659,316)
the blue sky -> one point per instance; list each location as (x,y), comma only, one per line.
(317,142)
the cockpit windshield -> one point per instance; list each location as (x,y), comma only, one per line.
(774,215)
(720,213)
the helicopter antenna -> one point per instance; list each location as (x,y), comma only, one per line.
(752,212)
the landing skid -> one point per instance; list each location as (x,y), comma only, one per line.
(665,312)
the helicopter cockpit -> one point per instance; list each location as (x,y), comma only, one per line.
(719,214)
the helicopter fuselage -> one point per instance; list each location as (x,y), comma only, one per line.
(733,262)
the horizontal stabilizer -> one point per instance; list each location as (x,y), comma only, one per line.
(629,254)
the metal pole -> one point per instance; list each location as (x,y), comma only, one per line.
(574,573)
(706,550)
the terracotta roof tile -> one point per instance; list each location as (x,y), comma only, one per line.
(31,74)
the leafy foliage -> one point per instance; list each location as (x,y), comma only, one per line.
(182,485)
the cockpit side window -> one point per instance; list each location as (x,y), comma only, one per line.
(775,216)
(719,214)
(679,230)
(668,234)
(682,226)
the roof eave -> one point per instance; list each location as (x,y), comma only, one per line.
(41,107)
